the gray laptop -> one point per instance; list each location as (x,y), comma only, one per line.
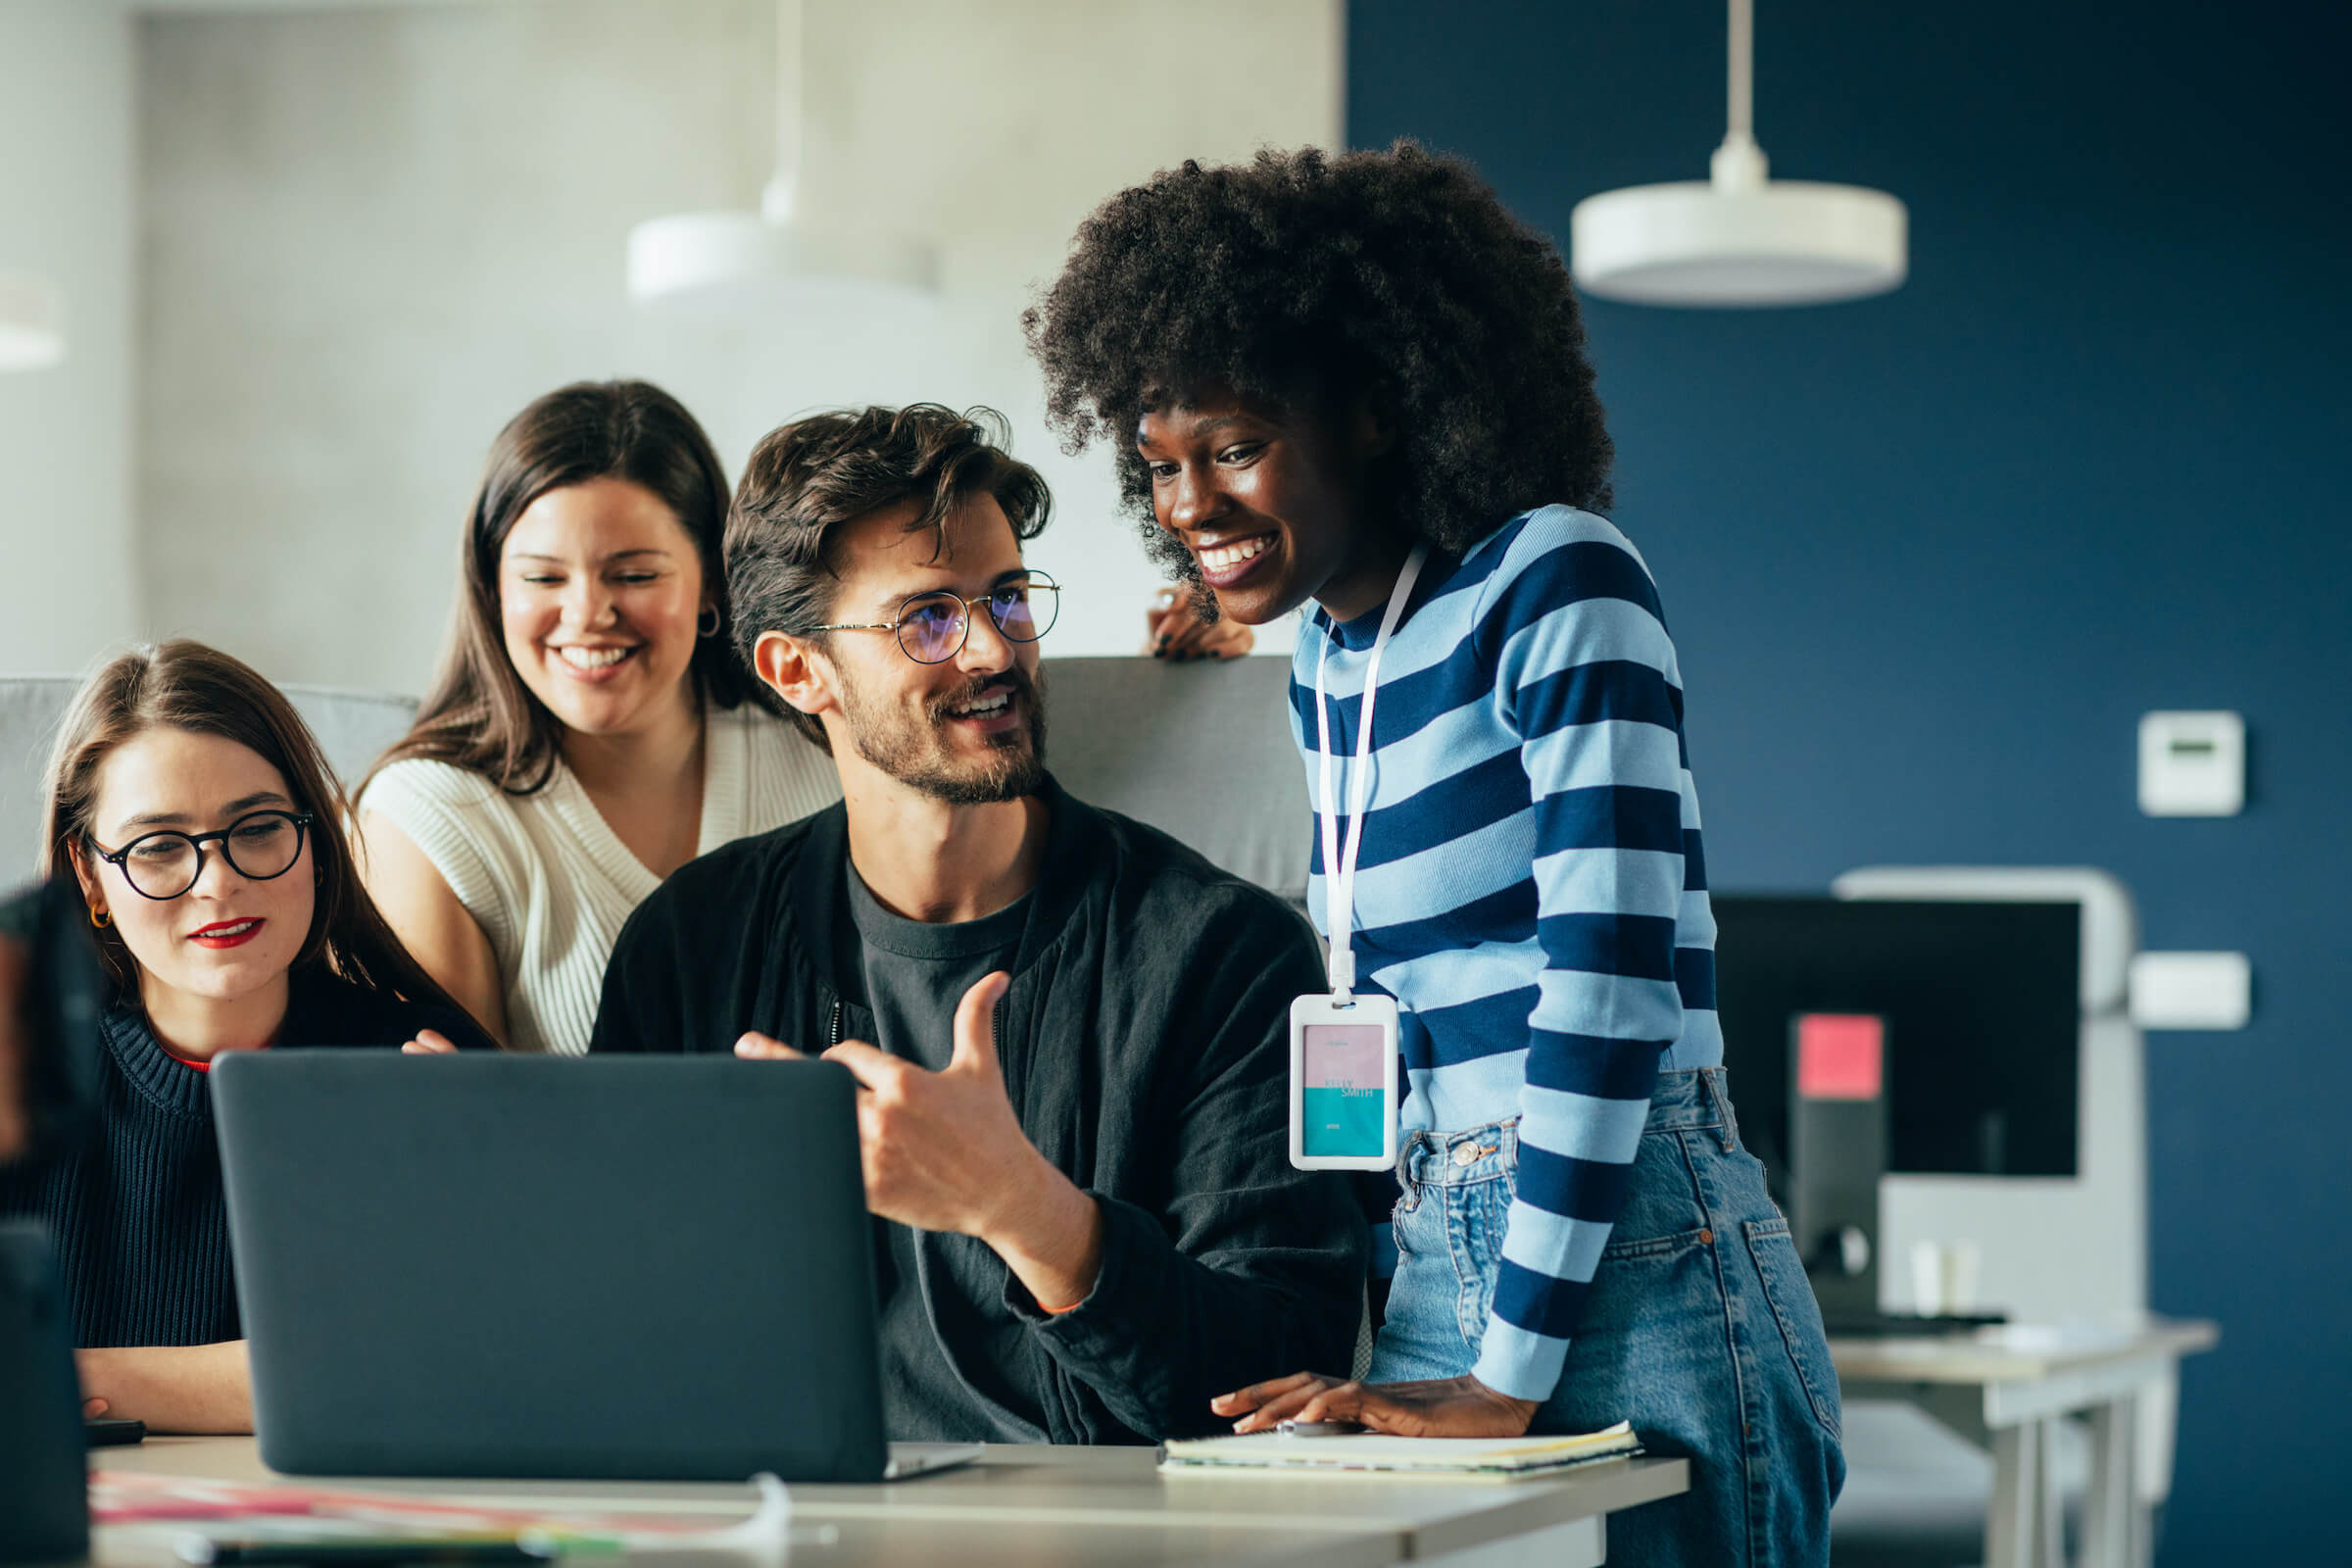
(614,1268)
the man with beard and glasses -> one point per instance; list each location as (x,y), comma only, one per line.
(1072,1031)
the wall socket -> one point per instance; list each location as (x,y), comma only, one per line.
(2192,990)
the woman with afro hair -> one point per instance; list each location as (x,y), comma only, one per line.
(1355,383)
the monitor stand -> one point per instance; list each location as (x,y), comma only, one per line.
(1836,1156)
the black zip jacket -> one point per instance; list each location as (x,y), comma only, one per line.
(1145,1043)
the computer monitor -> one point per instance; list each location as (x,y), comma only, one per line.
(1982,1004)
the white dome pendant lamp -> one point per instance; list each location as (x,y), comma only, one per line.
(733,263)
(31,336)
(1739,238)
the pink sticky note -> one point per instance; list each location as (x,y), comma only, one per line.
(1840,1056)
(247,1506)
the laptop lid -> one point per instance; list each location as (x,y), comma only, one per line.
(532,1267)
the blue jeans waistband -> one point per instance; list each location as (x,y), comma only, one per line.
(1690,1100)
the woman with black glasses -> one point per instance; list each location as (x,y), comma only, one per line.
(205,830)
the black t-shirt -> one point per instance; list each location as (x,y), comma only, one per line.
(917,971)
(939,1304)
(135,1211)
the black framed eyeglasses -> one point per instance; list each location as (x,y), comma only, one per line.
(934,626)
(258,847)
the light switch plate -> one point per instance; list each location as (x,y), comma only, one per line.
(2192,990)
(2193,765)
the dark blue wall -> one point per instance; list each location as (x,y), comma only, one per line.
(1928,557)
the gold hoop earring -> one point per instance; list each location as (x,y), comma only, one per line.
(100,918)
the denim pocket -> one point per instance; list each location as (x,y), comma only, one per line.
(1417,1220)
(1476,1213)
(1791,1298)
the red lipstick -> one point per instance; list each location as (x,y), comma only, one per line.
(227,933)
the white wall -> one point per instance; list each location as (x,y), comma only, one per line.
(66,212)
(372,235)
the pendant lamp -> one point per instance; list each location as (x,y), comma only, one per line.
(30,335)
(731,262)
(1738,238)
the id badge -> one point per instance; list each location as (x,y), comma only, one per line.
(1344,1100)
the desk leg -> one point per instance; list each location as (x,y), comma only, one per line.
(2114,1523)
(2022,1527)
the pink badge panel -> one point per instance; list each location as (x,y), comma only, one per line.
(1344,1055)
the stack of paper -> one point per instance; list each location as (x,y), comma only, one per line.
(1465,1458)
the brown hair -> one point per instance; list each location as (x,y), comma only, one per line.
(185,685)
(805,480)
(480,715)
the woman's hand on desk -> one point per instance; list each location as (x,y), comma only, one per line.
(429,1042)
(172,1388)
(1440,1408)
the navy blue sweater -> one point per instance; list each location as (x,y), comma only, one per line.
(135,1212)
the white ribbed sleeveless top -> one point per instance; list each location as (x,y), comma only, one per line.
(549,881)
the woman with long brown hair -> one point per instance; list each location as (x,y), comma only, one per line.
(205,830)
(589,731)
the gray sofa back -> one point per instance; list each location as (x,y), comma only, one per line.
(1203,751)
(353,728)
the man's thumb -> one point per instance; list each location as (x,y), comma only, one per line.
(976,1023)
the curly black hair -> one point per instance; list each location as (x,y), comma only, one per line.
(1304,279)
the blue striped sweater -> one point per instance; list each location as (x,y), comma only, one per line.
(1531,888)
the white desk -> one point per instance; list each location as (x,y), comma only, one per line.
(2029,1379)
(1037,1508)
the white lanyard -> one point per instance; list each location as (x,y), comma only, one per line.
(1338,870)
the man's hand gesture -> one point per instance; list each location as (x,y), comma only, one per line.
(943,1151)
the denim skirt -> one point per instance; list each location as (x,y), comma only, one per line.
(1699,1328)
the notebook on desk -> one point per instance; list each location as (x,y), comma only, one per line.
(1454,1459)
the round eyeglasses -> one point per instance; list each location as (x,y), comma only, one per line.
(933,627)
(258,847)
